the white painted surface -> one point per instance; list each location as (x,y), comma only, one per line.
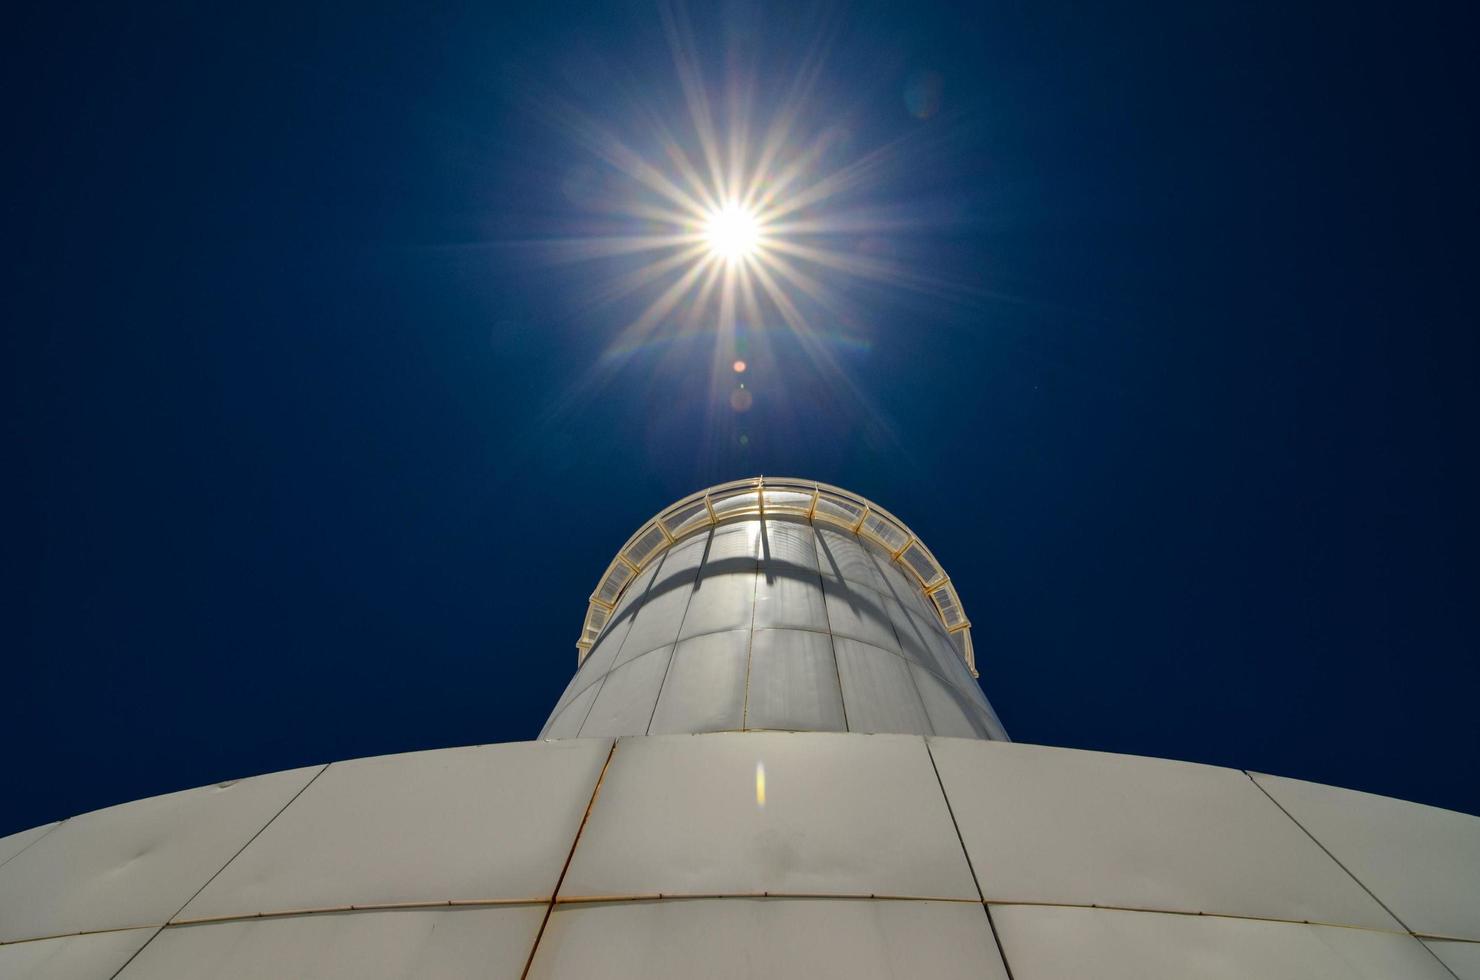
(1089,828)
(1047,943)
(488,822)
(15,843)
(768,939)
(92,957)
(1461,957)
(842,815)
(138,863)
(1421,861)
(427,944)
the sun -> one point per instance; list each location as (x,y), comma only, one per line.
(732,232)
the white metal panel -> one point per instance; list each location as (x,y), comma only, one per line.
(859,615)
(1463,959)
(662,609)
(486,822)
(768,939)
(789,596)
(914,644)
(625,703)
(1422,862)
(1048,943)
(791,543)
(138,863)
(834,815)
(428,944)
(705,688)
(96,956)
(951,712)
(567,721)
(578,683)
(596,665)
(1088,828)
(720,602)
(793,682)
(944,657)
(879,694)
(15,843)
(841,556)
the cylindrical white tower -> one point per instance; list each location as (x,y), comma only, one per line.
(774,604)
(773,763)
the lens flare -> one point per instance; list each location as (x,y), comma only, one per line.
(751,216)
(732,233)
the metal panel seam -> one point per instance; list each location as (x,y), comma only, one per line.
(1191,913)
(713,896)
(688,603)
(265,825)
(55,824)
(595,792)
(1001,951)
(914,686)
(831,637)
(1315,840)
(80,932)
(601,681)
(374,907)
(755,588)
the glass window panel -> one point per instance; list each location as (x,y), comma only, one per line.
(836,510)
(690,516)
(920,561)
(885,532)
(648,543)
(950,607)
(787,501)
(735,503)
(616,580)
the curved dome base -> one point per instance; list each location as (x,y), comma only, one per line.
(748,855)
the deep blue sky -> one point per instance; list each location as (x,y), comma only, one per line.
(311,456)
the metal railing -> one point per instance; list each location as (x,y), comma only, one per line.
(778,496)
